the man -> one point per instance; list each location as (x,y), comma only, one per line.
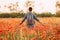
(30,18)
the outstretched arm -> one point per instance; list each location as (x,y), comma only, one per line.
(36,18)
(23,19)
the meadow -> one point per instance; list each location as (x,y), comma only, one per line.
(10,31)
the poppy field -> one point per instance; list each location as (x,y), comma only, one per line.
(9,29)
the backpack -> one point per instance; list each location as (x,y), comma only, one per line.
(30,18)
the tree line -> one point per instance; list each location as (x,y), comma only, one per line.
(20,15)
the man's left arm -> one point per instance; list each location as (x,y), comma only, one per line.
(36,18)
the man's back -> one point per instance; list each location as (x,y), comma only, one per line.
(30,18)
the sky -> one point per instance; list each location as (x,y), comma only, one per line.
(39,5)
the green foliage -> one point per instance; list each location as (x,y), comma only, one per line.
(4,15)
(16,36)
(31,36)
(58,14)
(11,15)
(9,36)
(2,35)
(37,37)
(19,15)
(54,15)
(45,15)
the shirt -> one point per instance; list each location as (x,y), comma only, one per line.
(33,17)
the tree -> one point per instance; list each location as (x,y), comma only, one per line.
(57,4)
(57,7)
(29,3)
(13,7)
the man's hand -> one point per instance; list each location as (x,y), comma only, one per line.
(20,23)
(41,23)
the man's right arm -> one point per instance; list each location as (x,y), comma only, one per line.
(24,19)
